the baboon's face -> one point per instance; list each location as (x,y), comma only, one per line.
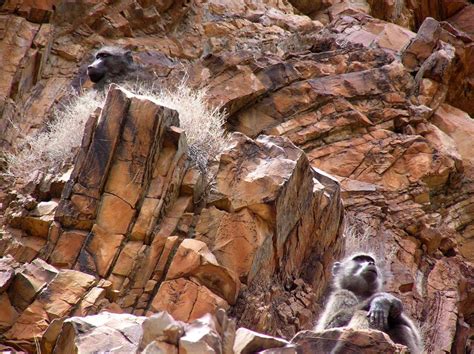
(109,63)
(363,266)
(358,274)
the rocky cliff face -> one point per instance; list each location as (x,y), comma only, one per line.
(338,110)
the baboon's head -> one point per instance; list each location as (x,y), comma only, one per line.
(359,274)
(110,62)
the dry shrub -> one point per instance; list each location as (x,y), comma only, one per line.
(357,232)
(203,124)
(364,234)
(48,150)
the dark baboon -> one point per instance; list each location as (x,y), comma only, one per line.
(358,283)
(111,63)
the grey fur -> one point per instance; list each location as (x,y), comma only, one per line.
(111,64)
(357,282)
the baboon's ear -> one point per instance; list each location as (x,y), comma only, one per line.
(336,267)
(128,55)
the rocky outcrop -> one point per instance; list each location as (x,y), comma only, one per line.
(125,217)
(369,102)
(160,333)
(346,340)
(36,295)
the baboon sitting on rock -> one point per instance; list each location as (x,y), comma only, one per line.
(358,283)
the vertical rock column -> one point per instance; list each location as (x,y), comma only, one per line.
(118,189)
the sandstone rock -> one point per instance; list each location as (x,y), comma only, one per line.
(162,328)
(8,313)
(7,272)
(414,167)
(114,215)
(106,331)
(442,281)
(438,67)
(29,281)
(423,44)
(243,226)
(194,259)
(459,126)
(346,340)
(247,341)
(462,20)
(440,10)
(155,261)
(67,248)
(308,7)
(104,246)
(186,300)
(348,7)
(37,221)
(436,41)
(339,93)
(289,349)
(160,347)
(140,137)
(265,191)
(223,93)
(226,329)
(389,36)
(127,258)
(16,41)
(94,301)
(22,247)
(56,300)
(201,337)
(33,11)
(50,336)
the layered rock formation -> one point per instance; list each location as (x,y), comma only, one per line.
(363,102)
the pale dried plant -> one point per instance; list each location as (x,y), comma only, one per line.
(356,235)
(360,235)
(203,124)
(48,150)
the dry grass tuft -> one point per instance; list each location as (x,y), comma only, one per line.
(48,150)
(363,234)
(203,124)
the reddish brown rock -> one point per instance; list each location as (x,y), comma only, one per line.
(249,223)
(267,190)
(87,334)
(201,336)
(8,313)
(104,246)
(193,259)
(16,41)
(127,258)
(161,327)
(56,300)
(33,11)
(446,55)
(462,20)
(67,248)
(186,300)
(339,93)
(460,127)
(35,222)
(440,10)
(346,340)
(247,342)
(29,281)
